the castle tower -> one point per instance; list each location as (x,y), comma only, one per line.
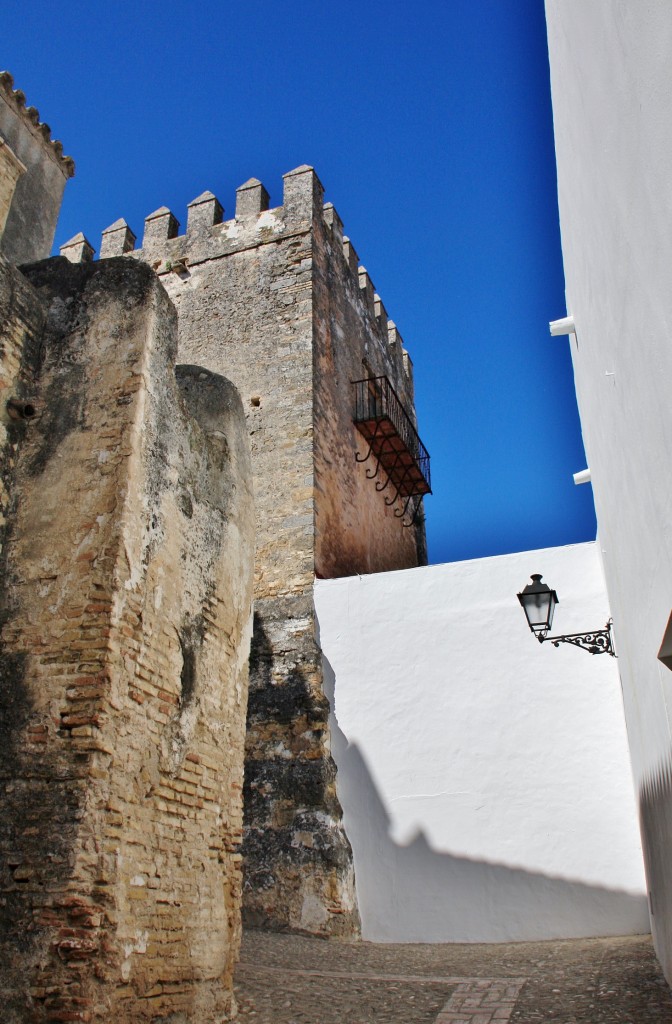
(276,300)
(33,175)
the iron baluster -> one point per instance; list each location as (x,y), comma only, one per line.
(394,442)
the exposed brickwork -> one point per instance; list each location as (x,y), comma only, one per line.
(275,300)
(356,531)
(126,621)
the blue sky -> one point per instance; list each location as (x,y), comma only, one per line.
(430,126)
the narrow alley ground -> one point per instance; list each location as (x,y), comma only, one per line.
(290,979)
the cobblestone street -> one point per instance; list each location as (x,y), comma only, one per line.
(289,979)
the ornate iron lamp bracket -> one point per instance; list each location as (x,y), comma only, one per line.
(598,642)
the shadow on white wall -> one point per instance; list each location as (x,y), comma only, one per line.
(412,893)
(484,779)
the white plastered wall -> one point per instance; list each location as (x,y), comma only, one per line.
(484,778)
(611,77)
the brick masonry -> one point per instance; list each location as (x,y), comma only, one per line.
(126,617)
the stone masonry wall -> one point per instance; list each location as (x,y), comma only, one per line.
(274,299)
(125,631)
(356,530)
(21,323)
(28,232)
(243,292)
(11,170)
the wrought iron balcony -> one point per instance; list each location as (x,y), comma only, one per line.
(394,445)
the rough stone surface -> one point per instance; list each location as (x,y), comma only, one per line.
(21,322)
(11,170)
(77,249)
(298,860)
(126,617)
(117,240)
(356,531)
(291,979)
(272,299)
(36,201)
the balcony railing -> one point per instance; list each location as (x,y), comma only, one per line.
(394,445)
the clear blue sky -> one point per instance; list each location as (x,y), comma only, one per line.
(430,126)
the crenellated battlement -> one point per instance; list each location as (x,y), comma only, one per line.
(16,98)
(209,236)
(33,175)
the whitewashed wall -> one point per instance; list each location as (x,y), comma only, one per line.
(484,778)
(611,75)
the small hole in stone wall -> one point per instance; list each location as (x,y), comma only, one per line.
(188,673)
(255,400)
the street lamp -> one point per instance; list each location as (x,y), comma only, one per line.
(539,601)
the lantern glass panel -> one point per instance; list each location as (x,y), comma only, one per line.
(539,608)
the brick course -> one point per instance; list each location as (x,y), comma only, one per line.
(126,621)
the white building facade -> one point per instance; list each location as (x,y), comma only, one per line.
(611,76)
(484,778)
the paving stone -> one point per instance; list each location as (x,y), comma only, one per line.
(292,979)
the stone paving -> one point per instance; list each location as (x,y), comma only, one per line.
(291,979)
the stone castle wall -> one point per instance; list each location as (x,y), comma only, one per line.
(356,530)
(126,536)
(33,175)
(275,299)
(126,615)
(21,323)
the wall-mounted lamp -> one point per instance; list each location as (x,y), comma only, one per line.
(539,601)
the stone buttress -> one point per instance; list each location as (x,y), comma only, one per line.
(127,550)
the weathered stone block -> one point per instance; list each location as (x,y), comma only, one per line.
(126,617)
(302,196)
(78,249)
(36,197)
(335,225)
(350,256)
(11,170)
(366,288)
(204,212)
(117,240)
(251,199)
(159,227)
